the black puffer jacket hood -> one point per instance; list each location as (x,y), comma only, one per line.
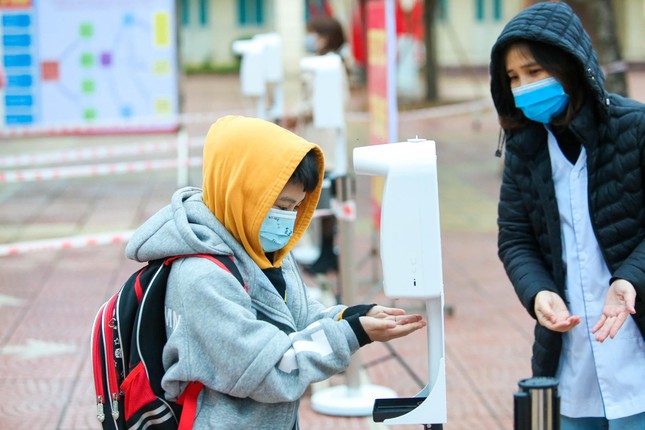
(552,23)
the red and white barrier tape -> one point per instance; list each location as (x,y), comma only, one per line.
(446,110)
(64,243)
(171,123)
(84,154)
(345,211)
(208,117)
(318,213)
(86,241)
(87,129)
(94,153)
(32,175)
(167,124)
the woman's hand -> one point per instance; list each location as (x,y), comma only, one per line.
(619,303)
(552,312)
(389,323)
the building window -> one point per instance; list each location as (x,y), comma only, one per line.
(479,10)
(203,12)
(497,10)
(442,10)
(185,12)
(250,12)
(487,9)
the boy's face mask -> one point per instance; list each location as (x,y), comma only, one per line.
(277,229)
(541,101)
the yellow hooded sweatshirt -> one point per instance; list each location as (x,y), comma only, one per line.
(247,163)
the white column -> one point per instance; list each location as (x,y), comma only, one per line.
(290,25)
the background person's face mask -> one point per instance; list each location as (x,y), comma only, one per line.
(277,229)
(541,101)
(311,43)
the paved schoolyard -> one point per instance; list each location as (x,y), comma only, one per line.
(48,298)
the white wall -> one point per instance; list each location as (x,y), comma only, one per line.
(212,43)
(290,25)
(630,21)
(464,41)
(461,39)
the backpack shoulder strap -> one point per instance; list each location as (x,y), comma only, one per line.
(226,262)
(188,398)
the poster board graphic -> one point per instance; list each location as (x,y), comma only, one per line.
(89,65)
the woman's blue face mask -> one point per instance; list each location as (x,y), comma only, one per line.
(541,101)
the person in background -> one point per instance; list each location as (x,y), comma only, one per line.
(255,349)
(571,215)
(324,35)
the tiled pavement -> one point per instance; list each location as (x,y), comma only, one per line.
(48,298)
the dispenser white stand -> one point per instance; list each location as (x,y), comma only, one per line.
(273,72)
(354,398)
(327,104)
(261,65)
(411,258)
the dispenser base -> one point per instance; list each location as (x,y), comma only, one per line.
(391,408)
(344,401)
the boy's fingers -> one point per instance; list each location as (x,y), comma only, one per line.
(393,311)
(408,319)
(386,324)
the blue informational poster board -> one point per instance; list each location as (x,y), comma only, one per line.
(89,65)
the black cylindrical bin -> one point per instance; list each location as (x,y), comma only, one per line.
(537,404)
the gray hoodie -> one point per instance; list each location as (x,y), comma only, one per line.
(255,353)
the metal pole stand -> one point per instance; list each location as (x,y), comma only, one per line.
(183,158)
(353,399)
(537,405)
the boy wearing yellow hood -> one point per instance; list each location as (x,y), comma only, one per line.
(255,351)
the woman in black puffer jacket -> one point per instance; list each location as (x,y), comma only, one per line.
(572,215)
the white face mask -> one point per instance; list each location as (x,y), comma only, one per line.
(311,43)
(277,229)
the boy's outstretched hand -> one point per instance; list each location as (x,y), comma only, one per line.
(383,324)
(379,311)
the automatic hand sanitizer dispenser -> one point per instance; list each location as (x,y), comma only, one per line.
(261,64)
(327,91)
(273,72)
(411,259)
(252,81)
(327,102)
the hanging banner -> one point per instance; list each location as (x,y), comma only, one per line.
(89,65)
(381,85)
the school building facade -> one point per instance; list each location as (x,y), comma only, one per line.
(465,29)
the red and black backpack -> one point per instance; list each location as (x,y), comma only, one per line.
(128,337)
